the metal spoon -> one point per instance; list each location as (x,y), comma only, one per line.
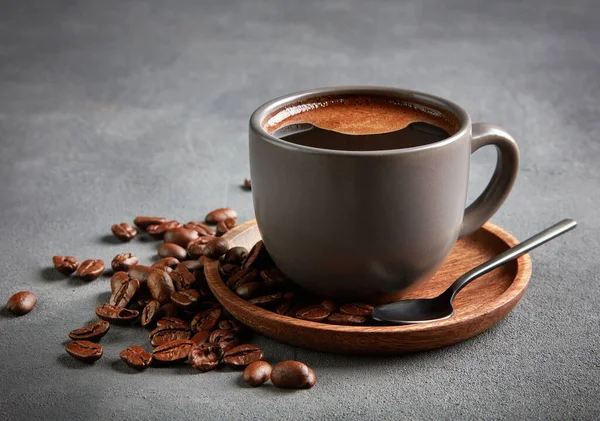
(426,310)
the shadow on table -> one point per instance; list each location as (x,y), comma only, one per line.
(109,239)
(69,362)
(50,274)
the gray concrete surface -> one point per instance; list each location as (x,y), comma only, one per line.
(117,108)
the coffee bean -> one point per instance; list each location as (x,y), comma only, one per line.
(169,310)
(172,250)
(257,256)
(314,313)
(201,228)
(180,236)
(172,321)
(266,301)
(166,262)
(346,319)
(356,309)
(90,269)
(216,248)
(235,255)
(285,307)
(141,273)
(251,290)
(118,279)
(143,298)
(125,293)
(206,320)
(241,277)
(292,375)
(196,247)
(312,379)
(172,351)
(65,264)
(201,337)
(123,261)
(144,222)
(205,357)
(225,225)
(193,265)
(185,298)
(232,324)
(150,314)
(136,357)
(92,332)
(247,184)
(165,334)
(226,339)
(227,269)
(123,231)
(242,355)
(85,351)
(330,305)
(158,231)
(117,315)
(160,285)
(220,214)
(257,373)
(21,303)
(182,278)
(273,278)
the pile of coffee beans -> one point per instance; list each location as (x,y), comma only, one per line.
(171,298)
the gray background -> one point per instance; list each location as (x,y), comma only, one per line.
(112,109)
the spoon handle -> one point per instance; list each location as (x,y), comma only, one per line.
(512,253)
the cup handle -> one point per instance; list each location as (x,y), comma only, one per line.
(505,174)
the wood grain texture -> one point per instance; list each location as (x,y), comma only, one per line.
(479,306)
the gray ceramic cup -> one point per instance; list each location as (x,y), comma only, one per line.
(367,224)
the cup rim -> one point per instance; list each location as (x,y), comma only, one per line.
(258,116)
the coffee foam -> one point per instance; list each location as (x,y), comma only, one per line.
(359,115)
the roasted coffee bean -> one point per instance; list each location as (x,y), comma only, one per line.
(150,314)
(92,332)
(251,290)
(182,278)
(196,248)
(117,315)
(242,355)
(225,225)
(185,298)
(356,309)
(172,250)
(65,264)
(247,184)
(172,321)
(243,277)
(160,285)
(180,236)
(205,357)
(227,269)
(200,227)
(226,338)
(169,262)
(201,337)
(158,231)
(312,379)
(286,305)
(257,373)
(172,351)
(142,301)
(125,293)
(85,351)
(144,222)
(206,319)
(273,278)
(123,231)
(90,269)
(232,324)
(118,279)
(216,248)
(136,357)
(123,261)
(292,375)
(141,273)
(165,334)
(21,303)
(193,265)
(257,256)
(330,305)
(220,214)
(314,313)
(346,319)
(267,300)
(235,255)
(169,310)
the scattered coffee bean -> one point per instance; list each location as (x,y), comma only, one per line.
(150,314)
(200,337)
(143,222)
(182,278)
(216,248)
(21,303)
(123,261)
(136,357)
(242,355)
(172,250)
(225,225)
(247,184)
(90,269)
(85,351)
(118,279)
(266,301)
(165,334)
(330,305)
(158,231)
(226,339)
(173,351)
(169,310)
(257,373)
(125,293)
(356,309)
(172,321)
(201,228)
(235,255)
(251,290)
(92,332)
(193,265)
(205,357)
(160,285)
(314,313)
(206,319)
(185,298)
(292,375)
(346,319)
(196,248)
(232,324)
(141,273)
(312,379)
(65,264)
(117,315)
(180,236)
(169,262)
(123,231)
(220,215)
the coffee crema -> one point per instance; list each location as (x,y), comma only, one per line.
(360,123)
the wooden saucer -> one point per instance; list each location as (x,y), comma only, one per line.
(478,306)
